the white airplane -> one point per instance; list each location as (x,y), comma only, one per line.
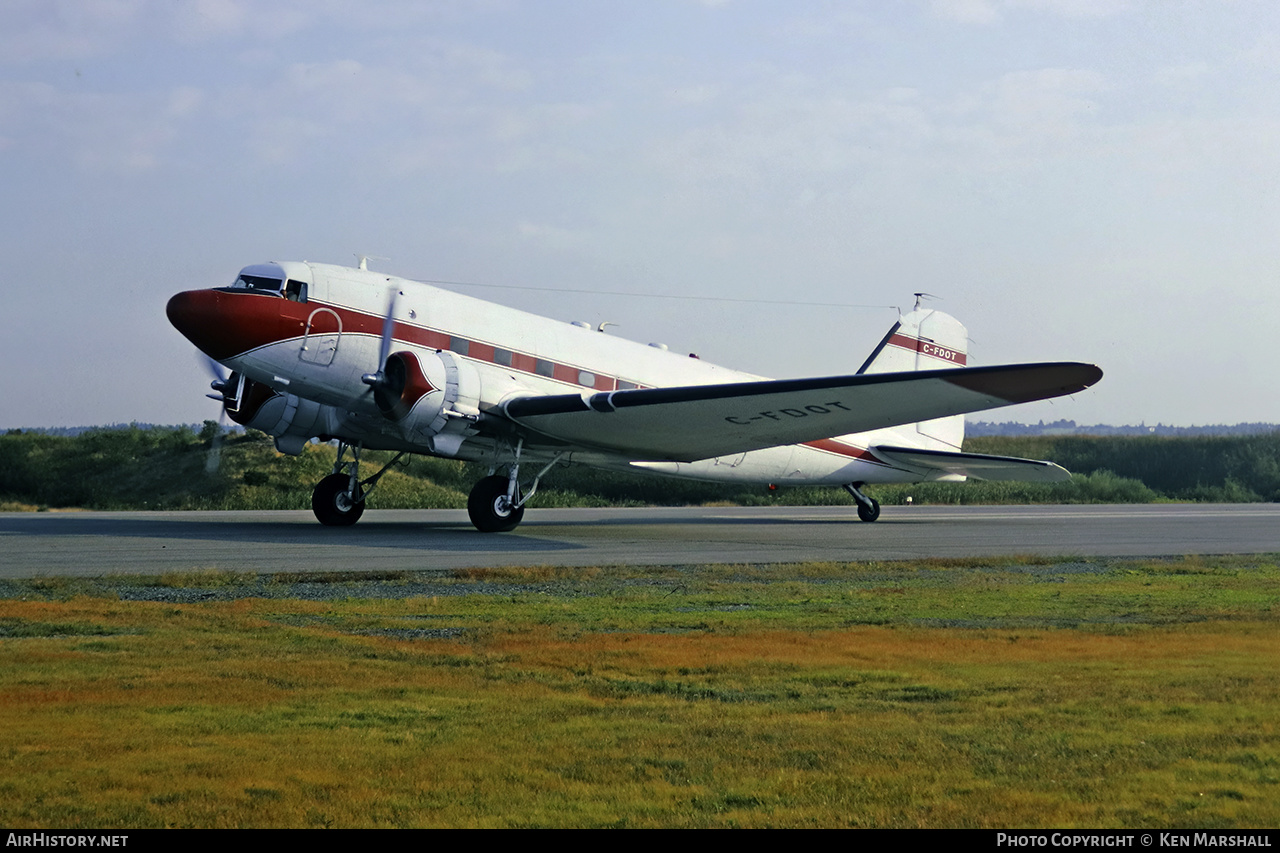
(374,361)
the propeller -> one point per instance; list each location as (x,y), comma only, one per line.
(387,382)
(221,384)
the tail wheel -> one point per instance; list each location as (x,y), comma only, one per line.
(333,504)
(489,508)
(869,512)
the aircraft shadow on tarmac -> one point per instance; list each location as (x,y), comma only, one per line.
(368,534)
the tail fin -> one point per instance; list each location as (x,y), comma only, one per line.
(921,340)
(924,340)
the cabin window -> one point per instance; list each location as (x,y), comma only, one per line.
(624,385)
(542,367)
(502,356)
(586,378)
(459,345)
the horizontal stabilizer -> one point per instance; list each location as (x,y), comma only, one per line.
(976,466)
(692,422)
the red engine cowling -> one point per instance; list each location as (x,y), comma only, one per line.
(434,398)
(290,419)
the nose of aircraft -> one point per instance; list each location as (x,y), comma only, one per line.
(224,324)
(194,313)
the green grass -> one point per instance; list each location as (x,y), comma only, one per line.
(967,693)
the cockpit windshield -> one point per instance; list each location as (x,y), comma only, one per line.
(258,282)
(287,280)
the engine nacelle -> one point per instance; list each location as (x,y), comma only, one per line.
(434,398)
(290,419)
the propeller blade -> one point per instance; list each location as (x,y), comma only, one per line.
(220,384)
(388,332)
(378,379)
(213,461)
(218,372)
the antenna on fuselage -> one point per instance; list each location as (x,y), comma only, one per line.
(364,260)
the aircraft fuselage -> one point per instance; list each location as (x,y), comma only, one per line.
(305,334)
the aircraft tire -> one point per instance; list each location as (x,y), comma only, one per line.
(487,506)
(332,504)
(869,513)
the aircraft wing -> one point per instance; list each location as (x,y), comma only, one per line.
(976,466)
(687,423)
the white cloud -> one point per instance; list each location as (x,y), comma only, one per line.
(1046,101)
(1179,75)
(551,236)
(993,11)
(693,95)
(197,20)
(967,11)
(1075,8)
(43,30)
(95,131)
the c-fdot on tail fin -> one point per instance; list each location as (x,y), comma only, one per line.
(924,339)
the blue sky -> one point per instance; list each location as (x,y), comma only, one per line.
(1090,180)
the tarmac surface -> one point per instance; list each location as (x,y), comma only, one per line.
(102,543)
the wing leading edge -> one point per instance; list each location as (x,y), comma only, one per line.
(687,423)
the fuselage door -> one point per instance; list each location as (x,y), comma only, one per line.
(320,337)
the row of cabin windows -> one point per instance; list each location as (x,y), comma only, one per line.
(296,291)
(541,366)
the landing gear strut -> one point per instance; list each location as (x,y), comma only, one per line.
(338,500)
(496,504)
(868,508)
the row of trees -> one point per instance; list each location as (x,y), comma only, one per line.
(174,468)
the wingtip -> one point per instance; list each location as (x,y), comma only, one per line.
(1025,383)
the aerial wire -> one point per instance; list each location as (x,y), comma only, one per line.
(658,295)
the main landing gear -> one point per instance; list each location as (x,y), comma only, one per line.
(491,510)
(335,503)
(338,500)
(496,504)
(868,508)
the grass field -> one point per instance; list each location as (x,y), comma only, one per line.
(977,693)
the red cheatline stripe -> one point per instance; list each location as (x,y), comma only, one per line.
(830,445)
(252,320)
(928,348)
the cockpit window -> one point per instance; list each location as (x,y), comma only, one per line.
(295,291)
(258,282)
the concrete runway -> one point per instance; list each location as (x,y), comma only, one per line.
(98,543)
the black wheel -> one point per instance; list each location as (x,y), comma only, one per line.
(869,513)
(332,503)
(489,508)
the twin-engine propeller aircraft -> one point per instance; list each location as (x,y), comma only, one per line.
(374,361)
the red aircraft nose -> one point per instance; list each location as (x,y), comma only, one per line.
(226,324)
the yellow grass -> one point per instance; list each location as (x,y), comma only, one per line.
(290,713)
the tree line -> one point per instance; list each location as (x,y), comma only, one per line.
(152,467)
